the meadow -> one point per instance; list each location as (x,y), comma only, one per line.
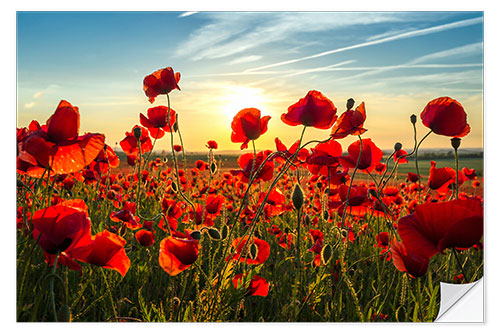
(308,233)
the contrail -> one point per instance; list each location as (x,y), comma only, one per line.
(410,34)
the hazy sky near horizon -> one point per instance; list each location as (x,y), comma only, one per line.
(393,61)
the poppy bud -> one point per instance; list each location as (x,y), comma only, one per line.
(165,160)
(373,192)
(398,146)
(174,187)
(214,234)
(344,233)
(137,133)
(350,103)
(254,250)
(297,197)
(196,234)
(213,167)
(307,220)
(326,253)
(455,142)
(326,215)
(413,119)
(175,127)
(224,231)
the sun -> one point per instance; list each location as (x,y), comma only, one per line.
(239,97)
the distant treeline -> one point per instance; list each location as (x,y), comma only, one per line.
(436,155)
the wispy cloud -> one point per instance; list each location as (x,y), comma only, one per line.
(461,51)
(245,59)
(227,35)
(187,14)
(29,105)
(404,35)
(38,94)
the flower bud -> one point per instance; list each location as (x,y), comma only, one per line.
(137,133)
(214,233)
(298,197)
(413,119)
(398,146)
(196,234)
(254,251)
(326,253)
(213,167)
(350,103)
(455,142)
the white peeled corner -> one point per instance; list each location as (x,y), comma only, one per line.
(461,303)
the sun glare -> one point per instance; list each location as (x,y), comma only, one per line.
(240,98)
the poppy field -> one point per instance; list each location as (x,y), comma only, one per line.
(312,231)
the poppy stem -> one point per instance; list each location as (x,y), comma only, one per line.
(352,181)
(51,286)
(175,161)
(460,264)
(416,158)
(109,292)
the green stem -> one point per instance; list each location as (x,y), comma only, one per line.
(350,184)
(460,264)
(51,287)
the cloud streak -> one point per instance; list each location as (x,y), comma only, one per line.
(404,35)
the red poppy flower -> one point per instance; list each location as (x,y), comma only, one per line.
(469,173)
(178,148)
(258,286)
(380,168)
(248,125)
(400,153)
(440,178)
(173,212)
(350,122)
(161,82)
(412,177)
(200,165)
(156,121)
(62,227)
(246,161)
(145,237)
(439,225)
(212,144)
(407,261)
(445,116)
(324,158)
(274,204)
(214,203)
(130,146)
(370,156)
(313,110)
(127,218)
(105,159)
(476,183)
(107,250)
(383,239)
(263,250)
(177,254)
(57,144)
(302,155)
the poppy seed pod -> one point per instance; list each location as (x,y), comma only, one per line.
(350,103)
(413,119)
(298,197)
(137,133)
(455,142)
(398,146)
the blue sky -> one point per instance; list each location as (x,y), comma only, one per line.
(393,61)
